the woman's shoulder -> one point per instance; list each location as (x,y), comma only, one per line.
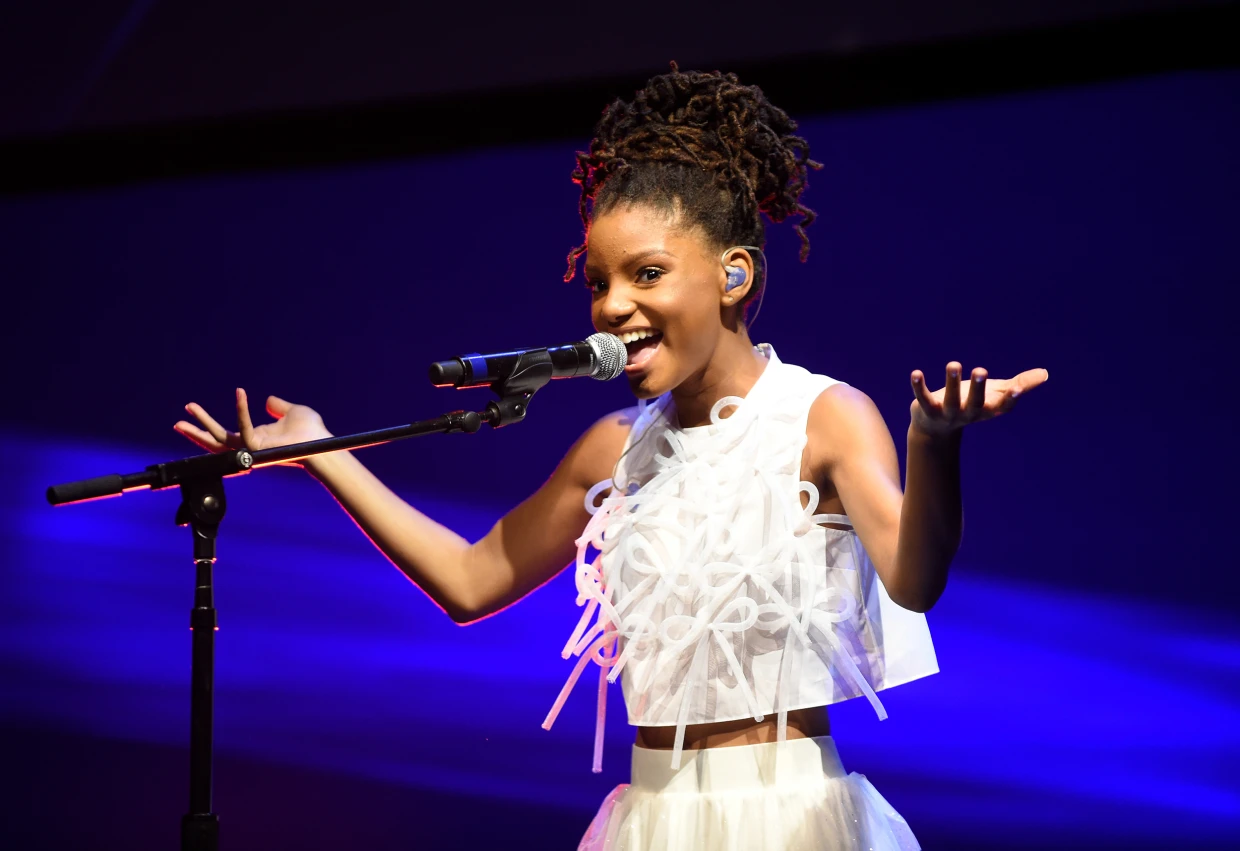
(594,455)
(826,396)
(613,426)
(844,420)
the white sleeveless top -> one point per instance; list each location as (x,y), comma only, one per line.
(717,596)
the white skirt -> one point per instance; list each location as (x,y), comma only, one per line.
(768,797)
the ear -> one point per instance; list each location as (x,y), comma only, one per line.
(742,262)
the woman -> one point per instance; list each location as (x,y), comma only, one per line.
(731,591)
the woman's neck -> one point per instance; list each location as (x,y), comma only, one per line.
(733,370)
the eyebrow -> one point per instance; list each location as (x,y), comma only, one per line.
(633,259)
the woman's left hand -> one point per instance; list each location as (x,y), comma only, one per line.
(947,410)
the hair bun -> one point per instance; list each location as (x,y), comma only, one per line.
(745,144)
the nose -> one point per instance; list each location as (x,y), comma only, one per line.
(616,307)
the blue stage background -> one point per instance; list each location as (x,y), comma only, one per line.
(1088,639)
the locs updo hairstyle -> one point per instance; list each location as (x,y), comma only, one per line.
(704,149)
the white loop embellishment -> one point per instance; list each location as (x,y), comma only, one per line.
(716,591)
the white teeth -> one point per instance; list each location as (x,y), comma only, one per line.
(634,336)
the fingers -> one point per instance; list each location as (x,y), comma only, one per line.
(951,390)
(918,380)
(977,392)
(243,418)
(1031,378)
(949,414)
(277,407)
(202,438)
(215,438)
(1009,397)
(1026,380)
(220,434)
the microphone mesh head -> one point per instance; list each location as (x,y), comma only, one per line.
(610,354)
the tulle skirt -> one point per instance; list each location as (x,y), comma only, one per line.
(767,797)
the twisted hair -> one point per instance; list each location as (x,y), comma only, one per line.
(705,149)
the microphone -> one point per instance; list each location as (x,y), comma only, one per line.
(600,356)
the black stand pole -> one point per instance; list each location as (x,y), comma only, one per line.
(201,480)
(202,509)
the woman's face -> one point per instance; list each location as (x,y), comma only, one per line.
(659,282)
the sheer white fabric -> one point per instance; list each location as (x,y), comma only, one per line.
(717,593)
(765,797)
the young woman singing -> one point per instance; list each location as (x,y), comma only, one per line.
(744,553)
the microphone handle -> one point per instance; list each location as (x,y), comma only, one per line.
(474,370)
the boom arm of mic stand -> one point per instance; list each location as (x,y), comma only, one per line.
(241,461)
(531,372)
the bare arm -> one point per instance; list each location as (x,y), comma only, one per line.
(857,455)
(524,549)
(910,536)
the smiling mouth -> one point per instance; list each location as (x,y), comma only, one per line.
(641,346)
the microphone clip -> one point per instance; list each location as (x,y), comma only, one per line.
(532,371)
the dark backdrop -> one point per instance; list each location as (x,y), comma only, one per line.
(115,63)
(1088,230)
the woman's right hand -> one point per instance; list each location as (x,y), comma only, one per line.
(293,424)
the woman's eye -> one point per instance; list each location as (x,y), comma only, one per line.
(649,270)
(596,286)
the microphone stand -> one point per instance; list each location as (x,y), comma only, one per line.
(200,479)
